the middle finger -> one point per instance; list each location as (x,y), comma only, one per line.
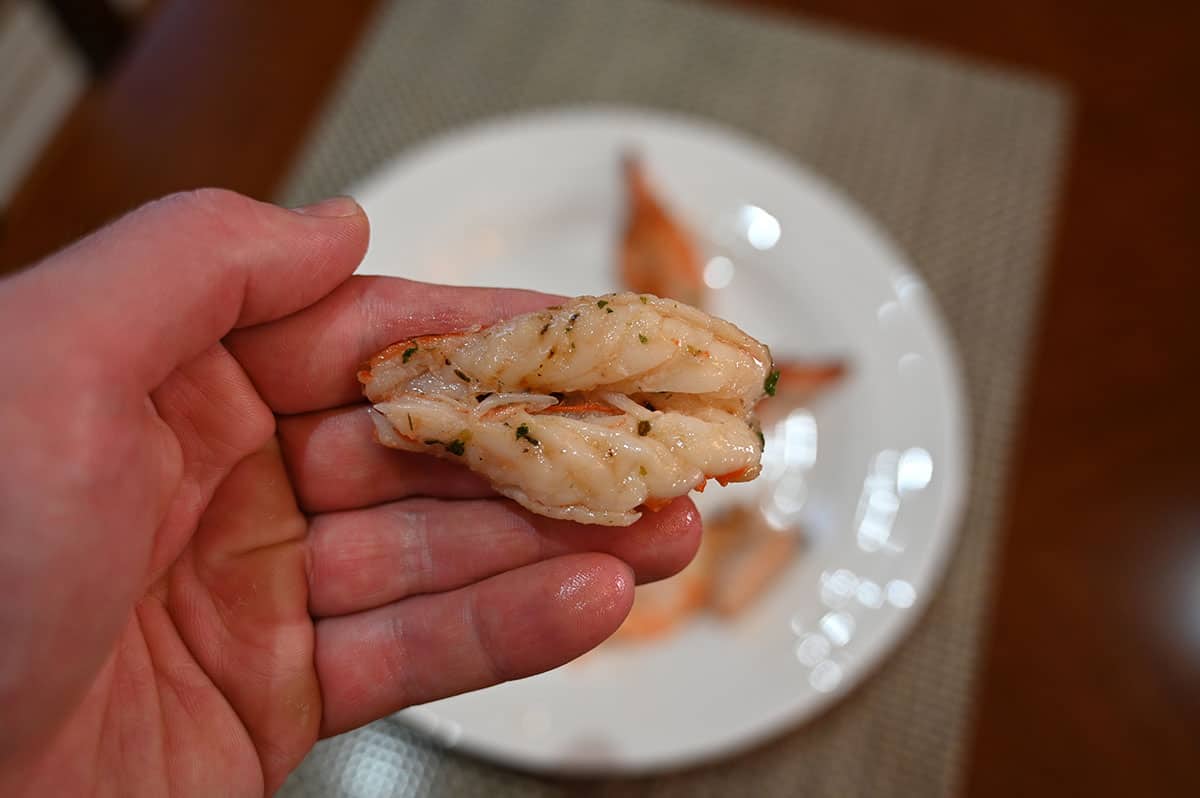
(367,558)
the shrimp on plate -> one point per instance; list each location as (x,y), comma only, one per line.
(586,411)
(658,255)
(740,558)
(800,380)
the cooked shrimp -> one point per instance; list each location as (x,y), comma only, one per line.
(657,254)
(585,411)
(799,381)
(748,561)
(740,557)
(660,606)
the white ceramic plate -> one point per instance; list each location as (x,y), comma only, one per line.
(875,470)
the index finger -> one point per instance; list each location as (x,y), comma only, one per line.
(308,361)
(159,286)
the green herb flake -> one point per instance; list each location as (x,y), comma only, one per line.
(645,300)
(762,441)
(457,446)
(412,350)
(479,397)
(693,351)
(461,376)
(544,328)
(770,382)
(523,432)
(608,310)
(643,428)
(602,303)
(642,470)
(643,338)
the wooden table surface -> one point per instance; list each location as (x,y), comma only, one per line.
(1091,676)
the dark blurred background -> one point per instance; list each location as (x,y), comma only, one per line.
(1091,669)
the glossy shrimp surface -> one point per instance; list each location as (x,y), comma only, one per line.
(587,411)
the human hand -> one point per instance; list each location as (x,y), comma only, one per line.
(207,562)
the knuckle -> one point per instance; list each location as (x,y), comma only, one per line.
(259,423)
(216,201)
(202,209)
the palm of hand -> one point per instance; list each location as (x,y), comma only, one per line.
(209,686)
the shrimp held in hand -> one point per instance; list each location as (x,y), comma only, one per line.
(585,411)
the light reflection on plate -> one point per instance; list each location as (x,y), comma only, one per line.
(874,470)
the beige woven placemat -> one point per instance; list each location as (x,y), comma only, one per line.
(957,161)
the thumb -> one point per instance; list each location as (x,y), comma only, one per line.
(162,284)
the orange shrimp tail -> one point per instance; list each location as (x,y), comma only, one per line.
(804,378)
(657,255)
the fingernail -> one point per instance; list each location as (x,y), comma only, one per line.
(332,208)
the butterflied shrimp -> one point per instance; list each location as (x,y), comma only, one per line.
(658,255)
(587,411)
